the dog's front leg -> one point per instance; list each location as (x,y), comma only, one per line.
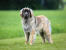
(27,34)
(32,37)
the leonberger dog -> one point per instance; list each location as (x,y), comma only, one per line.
(35,24)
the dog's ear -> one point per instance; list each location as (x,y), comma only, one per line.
(31,13)
(21,12)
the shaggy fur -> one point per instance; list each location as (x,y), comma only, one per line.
(32,25)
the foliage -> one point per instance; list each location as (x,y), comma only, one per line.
(34,4)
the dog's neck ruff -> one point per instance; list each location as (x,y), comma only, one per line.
(27,24)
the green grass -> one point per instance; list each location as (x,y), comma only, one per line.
(10,22)
(12,35)
(18,43)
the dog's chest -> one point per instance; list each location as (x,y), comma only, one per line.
(27,27)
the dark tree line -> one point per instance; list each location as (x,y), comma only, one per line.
(34,4)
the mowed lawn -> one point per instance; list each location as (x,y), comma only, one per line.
(12,35)
(18,43)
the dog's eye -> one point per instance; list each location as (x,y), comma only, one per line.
(28,11)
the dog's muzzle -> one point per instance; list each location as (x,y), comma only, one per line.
(26,15)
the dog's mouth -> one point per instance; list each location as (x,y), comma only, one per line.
(26,17)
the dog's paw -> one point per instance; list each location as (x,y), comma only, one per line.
(26,42)
(30,43)
(51,42)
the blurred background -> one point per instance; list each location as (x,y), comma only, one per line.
(34,4)
(10,20)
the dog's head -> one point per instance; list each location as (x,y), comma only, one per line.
(26,13)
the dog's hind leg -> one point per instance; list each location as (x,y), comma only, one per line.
(27,34)
(48,37)
(42,34)
(48,34)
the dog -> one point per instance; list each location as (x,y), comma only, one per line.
(32,25)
